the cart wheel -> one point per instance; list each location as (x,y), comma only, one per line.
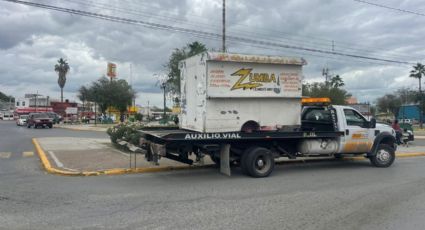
(258,162)
(384,156)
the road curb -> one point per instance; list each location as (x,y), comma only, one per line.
(120,171)
(75,129)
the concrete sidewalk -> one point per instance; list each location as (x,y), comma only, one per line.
(91,156)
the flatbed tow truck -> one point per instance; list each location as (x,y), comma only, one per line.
(326,130)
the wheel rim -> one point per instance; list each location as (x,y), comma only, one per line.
(383,156)
(262,164)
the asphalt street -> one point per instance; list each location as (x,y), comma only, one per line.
(320,195)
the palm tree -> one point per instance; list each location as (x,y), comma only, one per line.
(62,69)
(417,72)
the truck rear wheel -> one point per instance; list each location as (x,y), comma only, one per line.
(257,162)
(383,157)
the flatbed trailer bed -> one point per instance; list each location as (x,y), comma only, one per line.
(224,147)
(164,135)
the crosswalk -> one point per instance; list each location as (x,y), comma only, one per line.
(9,155)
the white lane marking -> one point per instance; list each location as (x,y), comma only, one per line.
(58,163)
(5,155)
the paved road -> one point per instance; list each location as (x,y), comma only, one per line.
(326,195)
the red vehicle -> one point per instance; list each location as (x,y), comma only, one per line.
(39,120)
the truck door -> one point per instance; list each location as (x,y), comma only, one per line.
(357,133)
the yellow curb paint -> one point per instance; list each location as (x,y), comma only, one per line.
(5,155)
(28,154)
(401,155)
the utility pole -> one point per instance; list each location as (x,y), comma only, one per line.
(165,106)
(325,73)
(148,112)
(421,103)
(131,84)
(36,95)
(224,26)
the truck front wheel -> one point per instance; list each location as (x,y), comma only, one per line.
(383,157)
(259,162)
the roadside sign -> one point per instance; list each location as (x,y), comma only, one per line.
(111,70)
(71,110)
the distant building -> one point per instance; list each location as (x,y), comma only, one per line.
(60,107)
(32,103)
(351,100)
(363,108)
(409,112)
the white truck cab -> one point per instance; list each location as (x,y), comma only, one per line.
(360,136)
(360,133)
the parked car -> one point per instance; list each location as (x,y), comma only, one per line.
(22,120)
(56,118)
(39,120)
(406,121)
(7,116)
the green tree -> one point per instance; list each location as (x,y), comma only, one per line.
(83,95)
(106,93)
(121,95)
(172,66)
(4,97)
(99,92)
(407,96)
(389,103)
(62,69)
(418,72)
(332,90)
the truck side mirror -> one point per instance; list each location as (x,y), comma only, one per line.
(372,123)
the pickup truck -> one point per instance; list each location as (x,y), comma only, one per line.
(325,130)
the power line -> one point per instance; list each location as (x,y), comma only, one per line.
(194,32)
(323,44)
(390,8)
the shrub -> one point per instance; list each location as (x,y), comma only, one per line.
(125,131)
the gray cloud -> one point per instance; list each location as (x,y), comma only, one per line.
(32,39)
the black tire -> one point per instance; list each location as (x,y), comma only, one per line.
(383,157)
(28,126)
(243,159)
(50,126)
(258,162)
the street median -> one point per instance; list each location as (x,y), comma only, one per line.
(63,164)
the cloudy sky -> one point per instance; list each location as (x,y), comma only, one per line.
(32,39)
